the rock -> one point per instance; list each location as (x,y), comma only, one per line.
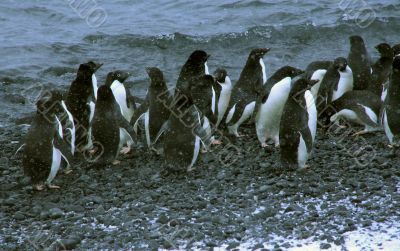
(19,216)
(163,219)
(325,246)
(55,213)
(69,243)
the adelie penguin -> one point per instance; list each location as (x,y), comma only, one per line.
(223,90)
(315,66)
(195,66)
(360,63)
(80,102)
(44,144)
(109,128)
(184,135)
(271,103)
(155,109)
(298,125)
(391,108)
(246,90)
(361,107)
(337,80)
(381,70)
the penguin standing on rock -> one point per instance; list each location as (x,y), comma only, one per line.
(271,103)
(155,108)
(44,144)
(109,128)
(298,125)
(391,107)
(360,63)
(223,90)
(359,106)
(80,102)
(246,90)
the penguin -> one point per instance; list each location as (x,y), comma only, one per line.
(315,66)
(155,109)
(44,144)
(245,92)
(337,80)
(203,96)
(109,128)
(298,125)
(359,106)
(391,107)
(381,69)
(223,89)
(319,76)
(396,50)
(184,135)
(271,104)
(125,100)
(195,66)
(80,102)
(360,63)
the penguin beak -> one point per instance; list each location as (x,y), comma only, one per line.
(124,76)
(148,70)
(97,66)
(265,50)
(208,56)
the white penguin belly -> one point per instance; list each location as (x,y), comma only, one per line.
(92,107)
(269,114)
(55,165)
(119,92)
(345,83)
(147,127)
(124,138)
(72,129)
(317,75)
(263,70)
(223,100)
(94,84)
(347,114)
(312,113)
(302,153)
(247,112)
(196,149)
(386,127)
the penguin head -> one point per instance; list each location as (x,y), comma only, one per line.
(340,64)
(257,54)
(49,103)
(356,40)
(396,63)
(198,57)
(156,76)
(289,71)
(385,50)
(299,86)
(120,76)
(396,49)
(86,70)
(220,75)
(104,93)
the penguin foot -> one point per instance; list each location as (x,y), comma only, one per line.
(92,151)
(116,162)
(264,145)
(216,142)
(68,171)
(38,187)
(50,186)
(125,150)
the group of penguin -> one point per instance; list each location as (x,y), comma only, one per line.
(101,122)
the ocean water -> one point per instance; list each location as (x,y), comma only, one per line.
(42,42)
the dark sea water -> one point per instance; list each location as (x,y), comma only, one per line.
(42,42)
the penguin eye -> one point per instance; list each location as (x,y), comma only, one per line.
(118,75)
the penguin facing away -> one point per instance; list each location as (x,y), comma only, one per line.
(298,125)
(184,135)
(359,62)
(223,89)
(109,128)
(155,110)
(381,69)
(44,144)
(391,107)
(361,107)
(246,90)
(80,99)
(271,104)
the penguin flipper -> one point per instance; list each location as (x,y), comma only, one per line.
(139,112)
(64,148)
(239,108)
(363,116)
(163,129)
(307,137)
